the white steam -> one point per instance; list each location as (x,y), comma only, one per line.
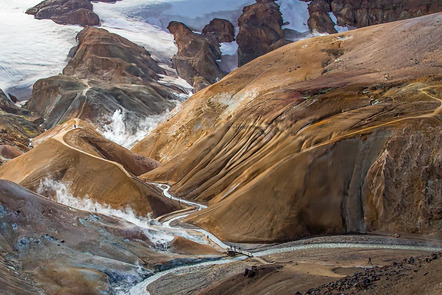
(52,187)
(126,134)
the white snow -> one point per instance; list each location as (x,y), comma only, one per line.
(296,13)
(30,49)
(229,48)
(340,29)
(229,57)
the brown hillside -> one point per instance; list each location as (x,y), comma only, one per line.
(334,134)
(91,166)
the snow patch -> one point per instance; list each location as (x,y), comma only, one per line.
(340,29)
(296,13)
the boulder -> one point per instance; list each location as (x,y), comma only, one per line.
(222,29)
(259,28)
(75,12)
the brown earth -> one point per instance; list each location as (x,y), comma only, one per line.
(401,277)
(92,167)
(106,73)
(301,270)
(333,134)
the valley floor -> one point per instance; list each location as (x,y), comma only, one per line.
(314,262)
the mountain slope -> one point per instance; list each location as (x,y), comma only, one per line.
(315,138)
(106,73)
(84,161)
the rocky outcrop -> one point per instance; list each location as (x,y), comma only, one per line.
(259,30)
(320,19)
(107,73)
(197,55)
(365,13)
(9,152)
(104,56)
(322,136)
(222,29)
(8,106)
(17,127)
(73,12)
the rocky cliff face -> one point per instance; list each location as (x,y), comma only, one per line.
(259,30)
(196,57)
(323,136)
(106,73)
(73,12)
(365,13)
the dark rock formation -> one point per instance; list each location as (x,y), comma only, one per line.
(106,73)
(365,13)
(259,30)
(7,105)
(77,12)
(222,29)
(320,19)
(197,55)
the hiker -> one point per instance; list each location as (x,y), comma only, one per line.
(369,261)
(75,126)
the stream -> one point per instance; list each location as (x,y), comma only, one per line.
(141,288)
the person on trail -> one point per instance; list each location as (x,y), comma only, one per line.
(75,126)
(369,261)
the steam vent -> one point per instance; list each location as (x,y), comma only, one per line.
(220,147)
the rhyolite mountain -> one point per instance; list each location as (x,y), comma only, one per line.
(106,73)
(334,134)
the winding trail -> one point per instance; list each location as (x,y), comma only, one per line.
(194,234)
(199,235)
(141,288)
